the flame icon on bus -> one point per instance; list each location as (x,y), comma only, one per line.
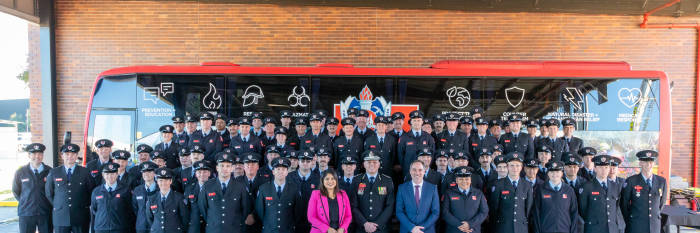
(212,100)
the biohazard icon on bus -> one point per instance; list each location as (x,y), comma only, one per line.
(376,106)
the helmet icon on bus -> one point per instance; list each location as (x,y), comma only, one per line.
(212,100)
(251,95)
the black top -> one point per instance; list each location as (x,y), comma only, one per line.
(333,212)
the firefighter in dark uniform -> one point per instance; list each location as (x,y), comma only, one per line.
(184,172)
(270,154)
(643,196)
(268,136)
(281,141)
(33,209)
(246,142)
(223,202)
(279,202)
(554,208)
(511,199)
(531,170)
(532,129)
(121,157)
(140,195)
(203,171)
(253,179)
(372,197)
(397,125)
(287,123)
(464,207)
(619,181)
(598,200)
(300,124)
(573,143)
(169,149)
(104,151)
(450,181)
(431,175)
(179,135)
(111,204)
(413,141)
(438,125)
(557,145)
(143,153)
(346,174)
(190,126)
(256,119)
(544,156)
(363,116)
(332,128)
(486,171)
(348,144)
(207,137)
(571,166)
(221,124)
(466,125)
(68,188)
(588,169)
(384,144)
(452,137)
(306,181)
(480,139)
(315,138)
(168,210)
(517,141)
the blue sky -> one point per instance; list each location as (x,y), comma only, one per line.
(13,58)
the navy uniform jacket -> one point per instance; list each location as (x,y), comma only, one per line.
(554,211)
(643,212)
(368,133)
(619,181)
(522,144)
(317,142)
(305,187)
(70,200)
(458,207)
(182,178)
(599,208)
(386,151)
(197,223)
(538,182)
(252,145)
(173,215)
(372,202)
(450,182)
(95,169)
(409,146)
(267,142)
(172,157)
(293,140)
(213,143)
(585,174)
(29,190)
(279,214)
(226,136)
(396,135)
(343,148)
(475,143)
(458,142)
(138,205)
(252,191)
(182,139)
(112,211)
(510,206)
(578,184)
(558,146)
(224,212)
(488,181)
(574,145)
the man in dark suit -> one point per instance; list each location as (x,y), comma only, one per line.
(245,142)
(68,188)
(169,149)
(557,145)
(33,209)
(268,136)
(510,199)
(588,170)
(384,145)
(452,138)
(598,199)
(417,202)
(223,202)
(481,139)
(348,144)
(207,137)
(411,143)
(397,119)
(104,152)
(517,141)
(532,169)
(253,179)
(643,196)
(574,143)
(571,167)
(315,138)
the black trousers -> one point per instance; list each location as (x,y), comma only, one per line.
(72,229)
(32,224)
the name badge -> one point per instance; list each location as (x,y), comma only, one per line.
(308,141)
(191,196)
(25,179)
(195,140)
(506,192)
(237,147)
(251,146)
(372,146)
(99,197)
(59,179)
(546,196)
(409,143)
(341,146)
(184,179)
(118,195)
(292,143)
(211,194)
(182,141)
(507,141)
(268,198)
(154,207)
(425,142)
(211,140)
(443,140)
(564,196)
(93,171)
(595,193)
(474,144)
(139,197)
(455,198)
(474,198)
(452,184)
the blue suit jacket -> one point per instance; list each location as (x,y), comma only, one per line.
(410,215)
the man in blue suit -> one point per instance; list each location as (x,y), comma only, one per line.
(417,203)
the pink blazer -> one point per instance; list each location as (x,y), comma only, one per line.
(318,212)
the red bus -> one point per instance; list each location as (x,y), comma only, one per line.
(619,111)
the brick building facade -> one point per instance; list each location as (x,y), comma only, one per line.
(96,35)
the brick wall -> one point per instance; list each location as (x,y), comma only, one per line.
(96,35)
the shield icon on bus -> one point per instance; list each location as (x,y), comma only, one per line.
(514,96)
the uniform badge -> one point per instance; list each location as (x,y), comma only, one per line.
(211,140)
(99,197)
(153,207)
(237,147)
(191,196)
(139,197)
(308,141)
(638,190)
(341,146)
(184,179)
(546,196)
(211,194)
(425,142)
(409,143)
(507,141)
(505,192)
(595,193)
(251,146)
(382,190)
(443,140)
(452,184)
(268,198)
(474,144)
(25,179)
(564,196)
(59,179)
(118,195)
(361,189)
(313,186)
(474,198)
(372,146)
(455,198)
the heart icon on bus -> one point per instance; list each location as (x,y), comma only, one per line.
(629,96)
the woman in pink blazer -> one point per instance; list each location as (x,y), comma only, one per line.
(329,208)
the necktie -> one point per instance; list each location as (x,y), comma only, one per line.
(649,182)
(166,147)
(381,141)
(452,134)
(556,188)
(279,191)
(162,200)
(371,180)
(250,183)
(70,172)
(109,190)
(605,186)
(417,194)
(571,183)
(481,138)
(486,174)
(465,193)
(36,172)
(347,180)
(245,140)
(515,184)
(223,188)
